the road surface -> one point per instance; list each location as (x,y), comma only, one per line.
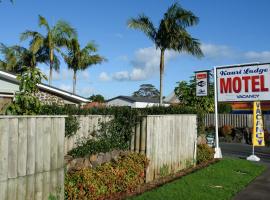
(244,150)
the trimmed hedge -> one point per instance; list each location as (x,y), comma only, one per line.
(108,179)
(204,153)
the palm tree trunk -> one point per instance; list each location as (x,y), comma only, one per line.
(161,73)
(74,81)
(51,67)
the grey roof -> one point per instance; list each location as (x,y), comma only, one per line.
(136,99)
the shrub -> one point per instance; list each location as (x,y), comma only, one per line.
(108,179)
(226,130)
(72,125)
(204,153)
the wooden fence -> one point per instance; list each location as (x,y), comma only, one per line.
(88,125)
(169,142)
(235,120)
(31,157)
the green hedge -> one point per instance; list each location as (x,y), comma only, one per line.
(72,110)
(108,179)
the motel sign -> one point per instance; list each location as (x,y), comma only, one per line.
(243,83)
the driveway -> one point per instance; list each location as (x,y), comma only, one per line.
(244,150)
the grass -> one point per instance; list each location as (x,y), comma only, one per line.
(219,181)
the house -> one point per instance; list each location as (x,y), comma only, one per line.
(9,85)
(172,99)
(134,102)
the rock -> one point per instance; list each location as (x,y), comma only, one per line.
(79,163)
(100,158)
(107,157)
(93,157)
(201,139)
(86,163)
(71,165)
(123,153)
(68,158)
(94,164)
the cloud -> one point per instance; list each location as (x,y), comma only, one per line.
(213,51)
(263,56)
(226,53)
(145,64)
(103,76)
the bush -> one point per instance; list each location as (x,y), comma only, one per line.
(204,153)
(226,130)
(72,125)
(108,179)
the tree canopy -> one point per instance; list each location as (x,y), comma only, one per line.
(147,90)
(97,98)
(186,92)
(171,34)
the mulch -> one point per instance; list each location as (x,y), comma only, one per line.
(161,181)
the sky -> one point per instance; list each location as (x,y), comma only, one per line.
(230,32)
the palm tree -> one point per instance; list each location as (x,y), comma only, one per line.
(55,38)
(80,59)
(16,57)
(170,35)
(10,59)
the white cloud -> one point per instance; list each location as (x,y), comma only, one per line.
(223,52)
(145,64)
(263,56)
(121,76)
(213,51)
(103,76)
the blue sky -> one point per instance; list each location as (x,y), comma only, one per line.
(230,32)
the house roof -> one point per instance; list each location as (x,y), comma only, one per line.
(136,99)
(44,87)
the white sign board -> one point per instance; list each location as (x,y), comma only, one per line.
(245,83)
(201,83)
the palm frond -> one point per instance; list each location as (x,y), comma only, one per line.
(43,22)
(180,16)
(144,24)
(63,29)
(189,45)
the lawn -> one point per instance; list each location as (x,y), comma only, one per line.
(218,181)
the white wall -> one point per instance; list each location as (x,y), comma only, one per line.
(6,86)
(120,102)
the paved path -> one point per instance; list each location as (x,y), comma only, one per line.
(259,189)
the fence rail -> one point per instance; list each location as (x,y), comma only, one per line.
(235,120)
(169,142)
(31,155)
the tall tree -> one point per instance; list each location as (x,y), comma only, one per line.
(97,98)
(55,38)
(147,90)
(80,59)
(17,57)
(171,34)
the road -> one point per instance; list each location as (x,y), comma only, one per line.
(244,150)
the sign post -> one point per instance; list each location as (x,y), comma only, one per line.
(218,153)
